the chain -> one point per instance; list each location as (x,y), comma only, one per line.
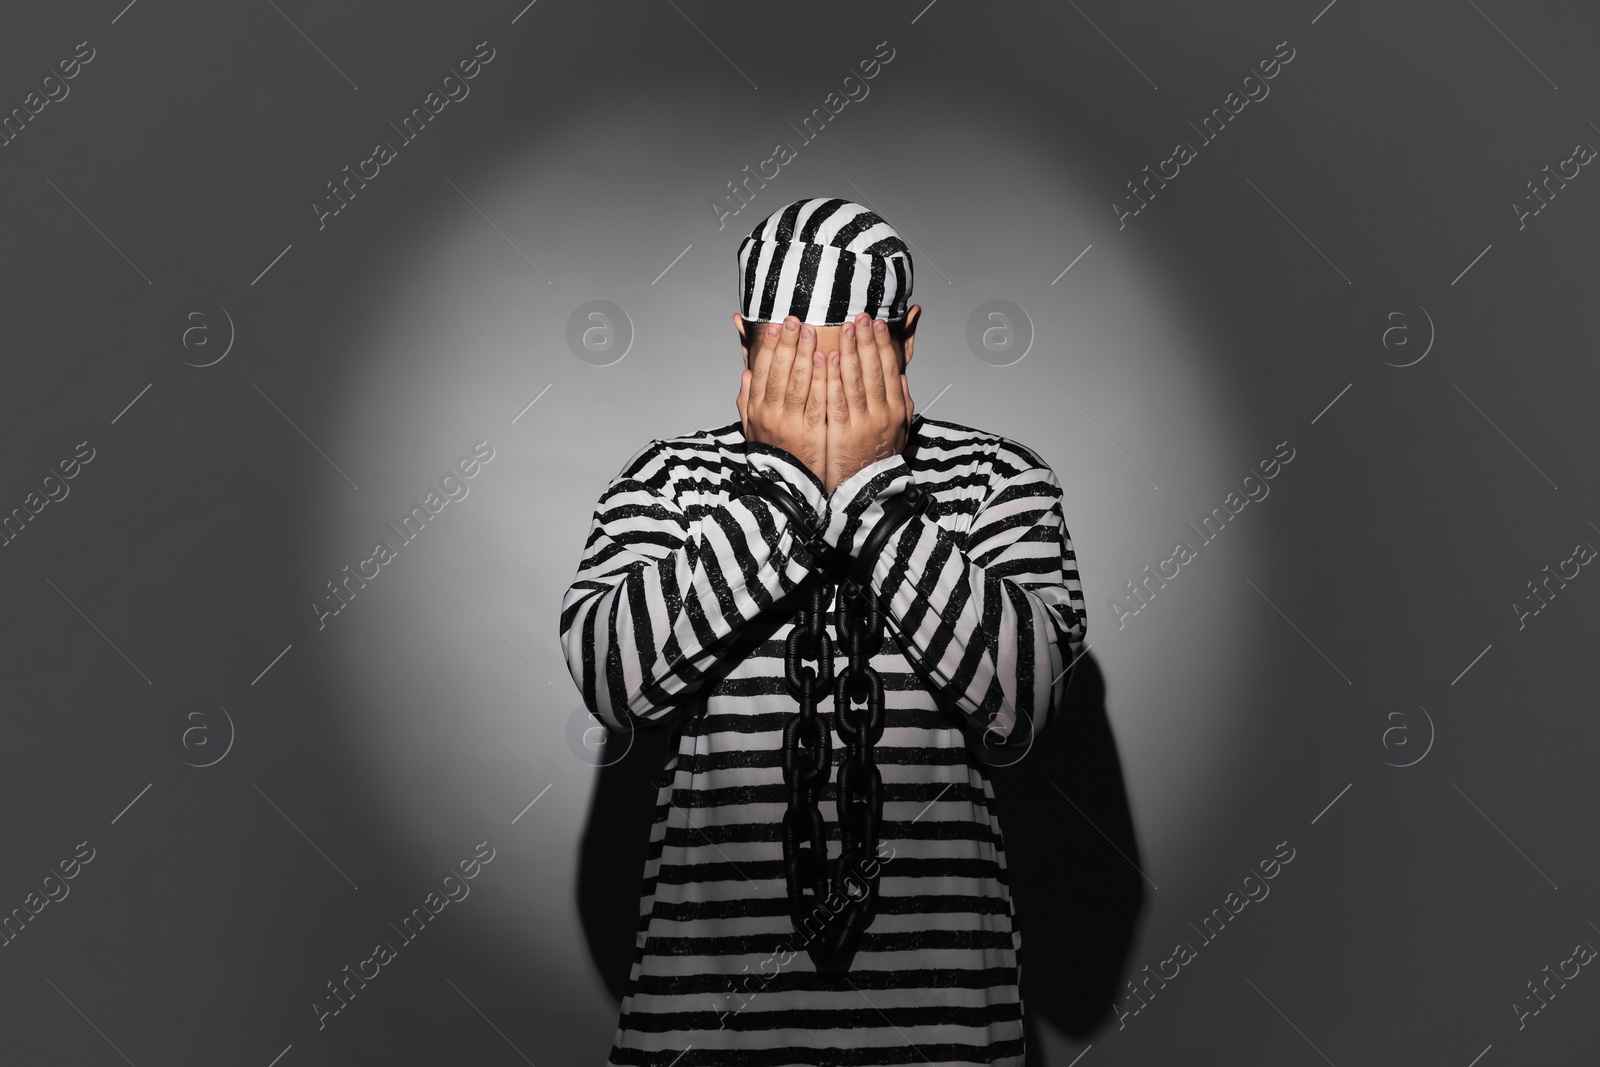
(814,882)
(832,936)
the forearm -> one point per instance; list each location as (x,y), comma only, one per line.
(659,599)
(994,647)
(991,620)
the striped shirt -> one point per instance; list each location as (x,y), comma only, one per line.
(678,616)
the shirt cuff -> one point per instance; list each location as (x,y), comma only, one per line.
(786,469)
(856,507)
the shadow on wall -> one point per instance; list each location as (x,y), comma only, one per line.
(1077,900)
(612,853)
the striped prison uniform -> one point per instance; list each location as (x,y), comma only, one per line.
(983,611)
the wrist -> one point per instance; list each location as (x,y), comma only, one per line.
(858,502)
(803,526)
(845,467)
(780,463)
(897,512)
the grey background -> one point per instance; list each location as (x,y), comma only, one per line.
(1263,696)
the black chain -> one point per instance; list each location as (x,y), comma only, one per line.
(816,885)
(832,936)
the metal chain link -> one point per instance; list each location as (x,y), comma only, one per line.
(832,937)
(814,882)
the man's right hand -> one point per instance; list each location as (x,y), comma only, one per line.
(783,395)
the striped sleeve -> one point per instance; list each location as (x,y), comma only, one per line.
(661,593)
(993,617)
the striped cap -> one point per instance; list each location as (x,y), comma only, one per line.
(824,261)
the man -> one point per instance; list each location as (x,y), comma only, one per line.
(772,930)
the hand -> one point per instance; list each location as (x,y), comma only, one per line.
(782,395)
(869,401)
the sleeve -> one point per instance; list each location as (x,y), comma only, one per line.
(993,618)
(661,594)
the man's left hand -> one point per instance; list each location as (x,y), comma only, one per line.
(869,401)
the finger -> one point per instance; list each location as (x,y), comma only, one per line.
(817,398)
(800,371)
(895,396)
(763,360)
(847,341)
(838,407)
(867,348)
(905,389)
(782,360)
(743,400)
(855,389)
(850,356)
(889,362)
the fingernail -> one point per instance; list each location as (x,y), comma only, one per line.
(772,329)
(788,326)
(806,331)
(816,359)
(833,359)
(850,330)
